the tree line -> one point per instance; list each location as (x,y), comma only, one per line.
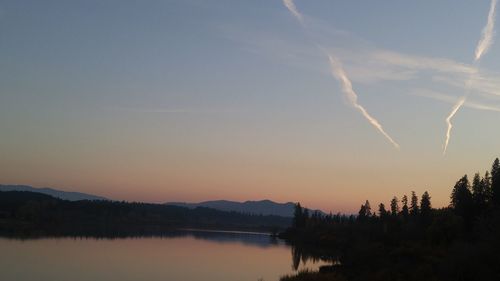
(409,239)
(34,214)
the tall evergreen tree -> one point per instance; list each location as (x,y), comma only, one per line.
(495,183)
(486,182)
(425,207)
(479,194)
(382,211)
(404,211)
(362,212)
(461,198)
(368,208)
(414,204)
(394,206)
(298,216)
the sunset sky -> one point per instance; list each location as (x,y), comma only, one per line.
(195,100)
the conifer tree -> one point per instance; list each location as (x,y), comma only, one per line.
(298,216)
(394,206)
(425,207)
(362,212)
(404,210)
(486,182)
(495,183)
(368,208)
(414,204)
(382,211)
(479,194)
(461,198)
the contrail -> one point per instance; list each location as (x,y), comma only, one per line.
(454,110)
(482,47)
(456,107)
(487,33)
(339,73)
(293,9)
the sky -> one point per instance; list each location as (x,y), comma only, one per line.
(194,100)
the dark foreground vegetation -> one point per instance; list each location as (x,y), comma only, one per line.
(29,214)
(408,240)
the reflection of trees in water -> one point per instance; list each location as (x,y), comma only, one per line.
(307,255)
(261,240)
(254,239)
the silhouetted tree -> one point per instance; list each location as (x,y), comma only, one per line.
(298,216)
(362,212)
(368,208)
(479,194)
(382,212)
(425,207)
(365,211)
(486,182)
(455,243)
(414,204)
(394,206)
(495,183)
(404,211)
(461,198)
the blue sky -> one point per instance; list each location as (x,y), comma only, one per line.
(197,100)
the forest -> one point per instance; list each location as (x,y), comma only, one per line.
(407,240)
(30,214)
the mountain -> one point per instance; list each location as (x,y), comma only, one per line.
(65,195)
(24,213)
(263,207)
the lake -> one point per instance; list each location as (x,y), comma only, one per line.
(179,256)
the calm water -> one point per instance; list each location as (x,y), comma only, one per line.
(183,256)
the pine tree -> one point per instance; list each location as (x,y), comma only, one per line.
(461,198)
(382,211)
(425,207)
(486,182)
(495,183)
(298,216)
(414,204)
(362,212)
(479,194)
(394,206)
(404,210)
(368,208)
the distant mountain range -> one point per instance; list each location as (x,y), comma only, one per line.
(65,195)
(263,207)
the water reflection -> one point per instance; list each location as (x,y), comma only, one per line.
(258,239)
(308,255)
(187,255)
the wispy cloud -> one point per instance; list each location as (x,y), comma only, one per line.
(172,110)
(453,99)
(421,62)
(485,85)
(365,63)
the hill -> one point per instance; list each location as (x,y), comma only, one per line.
(262,207)
(24,213)
(65,195)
